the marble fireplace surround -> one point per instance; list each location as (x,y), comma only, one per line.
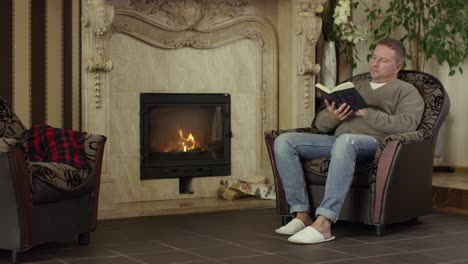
(186,46)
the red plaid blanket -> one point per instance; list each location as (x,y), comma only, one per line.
(49,144)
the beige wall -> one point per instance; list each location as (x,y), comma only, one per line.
(53,64)
(455,138)
(21,60)
(285,36)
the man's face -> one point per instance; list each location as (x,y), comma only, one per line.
(383,65)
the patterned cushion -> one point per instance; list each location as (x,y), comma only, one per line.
(10,125)
(57,181)
(7,143)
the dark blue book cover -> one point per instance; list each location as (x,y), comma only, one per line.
(343,93)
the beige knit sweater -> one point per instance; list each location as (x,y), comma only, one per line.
(395,107)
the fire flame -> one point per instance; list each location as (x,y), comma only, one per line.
(186,143)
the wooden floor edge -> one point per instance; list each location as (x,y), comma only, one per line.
(451,210)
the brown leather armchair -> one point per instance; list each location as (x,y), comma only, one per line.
(44,201)
(397,185)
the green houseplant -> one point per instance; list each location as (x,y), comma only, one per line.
(338,30)
(337,26)
(429,29)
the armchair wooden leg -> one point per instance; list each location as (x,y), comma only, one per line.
(285,219)
(15,256)
(84,238)
(380,230)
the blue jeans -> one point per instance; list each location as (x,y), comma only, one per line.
(343,152)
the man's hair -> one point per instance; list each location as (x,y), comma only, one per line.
(396,46)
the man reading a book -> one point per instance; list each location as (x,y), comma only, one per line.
(393,106)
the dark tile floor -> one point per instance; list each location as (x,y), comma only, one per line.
(247,237)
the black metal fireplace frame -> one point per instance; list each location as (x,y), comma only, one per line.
(150,170)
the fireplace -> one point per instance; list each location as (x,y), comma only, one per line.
(184,135)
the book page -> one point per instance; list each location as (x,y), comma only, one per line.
(344,86)
(323,88)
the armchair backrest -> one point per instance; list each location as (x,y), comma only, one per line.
(436,100)
(10,125)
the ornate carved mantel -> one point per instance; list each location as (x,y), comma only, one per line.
(173,25)
(199,15)
(307,28)
(205,25)
(97,21)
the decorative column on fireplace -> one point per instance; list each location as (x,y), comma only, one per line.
(184,135)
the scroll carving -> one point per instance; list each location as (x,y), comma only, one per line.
(190,14)
(190,40)
(307,29)
(254,34)
(97,22)
(122,28)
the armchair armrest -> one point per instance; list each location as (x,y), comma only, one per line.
(403,164)
(15,198)
(94,152)
(92,145)
(405,138)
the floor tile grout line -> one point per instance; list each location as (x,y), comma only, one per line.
(422,253)
(332,261)
(234,244)
(357,240)
(268,254)
(346,253)
(406,238)
(406,252)
(175,249)
(149,252)
(46,261)
(427,249)
(191,253)
(64,260)
(87,258)
(455,261)
(127,256)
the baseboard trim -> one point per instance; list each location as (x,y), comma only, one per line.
(450,200)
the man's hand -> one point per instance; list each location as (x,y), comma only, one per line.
(340,113)
(361,112)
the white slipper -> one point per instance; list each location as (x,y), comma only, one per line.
(309,235)
(291,228)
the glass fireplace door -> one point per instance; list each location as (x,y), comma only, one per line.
(185,135)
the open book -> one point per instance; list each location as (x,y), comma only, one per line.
(343,93)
